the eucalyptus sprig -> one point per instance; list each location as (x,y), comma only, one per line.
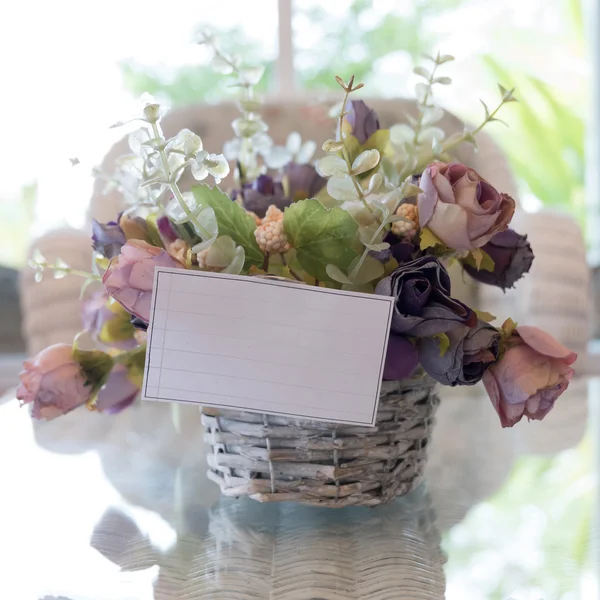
(250,126)
(468,135)
(59,268)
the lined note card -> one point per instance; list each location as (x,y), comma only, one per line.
(266,346)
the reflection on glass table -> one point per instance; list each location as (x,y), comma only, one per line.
(97,507)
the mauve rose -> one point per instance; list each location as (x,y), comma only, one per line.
(53,382)
(512,256)
(130,276)
(117,393)
(460,207)
(362,119)
(531,375)
(423,304)
(471,352)
(401,358)
(107,238)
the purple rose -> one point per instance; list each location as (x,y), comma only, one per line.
(53,382)
(471,352)
(107,238)
(512,256)
(460,207)
(534,371)
(107,321)
(117,393)
(402,249)
(401,359)
(362,119)
(262,193)
(303,181)
(423,304)
(298,183)
(130,276)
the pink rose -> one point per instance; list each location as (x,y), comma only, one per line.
(529,378)
(53,382)
(460,207)
(130,276)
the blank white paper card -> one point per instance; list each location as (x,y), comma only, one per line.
(266,346)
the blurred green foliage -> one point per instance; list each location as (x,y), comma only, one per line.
(534,534)
(16,220)
(193,83)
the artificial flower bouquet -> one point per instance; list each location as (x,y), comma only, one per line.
(382,211)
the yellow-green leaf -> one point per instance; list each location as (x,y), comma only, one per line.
(485,316)
(508,327)
(480,260)
(443,341)
(429,239)
(378,141)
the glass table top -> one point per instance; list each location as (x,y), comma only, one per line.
(98,507)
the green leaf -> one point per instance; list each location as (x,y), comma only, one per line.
(95,366)
(429,239)
(443,341)
(485,316)
(378,141)
(481,260)
(134,361)
(232,220)
(321,237)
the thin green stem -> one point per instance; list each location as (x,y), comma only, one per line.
(453,143)
(70,271)
(173,185)
(294,275)
(345,154)
(419,123)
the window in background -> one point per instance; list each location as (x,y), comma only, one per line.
(70,72)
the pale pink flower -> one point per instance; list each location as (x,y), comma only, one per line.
(53,382)
(529,378)
(130,276)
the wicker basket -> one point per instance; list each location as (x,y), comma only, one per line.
(272,459)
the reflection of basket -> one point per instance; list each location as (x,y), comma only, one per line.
(273,458)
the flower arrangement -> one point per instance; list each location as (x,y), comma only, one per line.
(383,211)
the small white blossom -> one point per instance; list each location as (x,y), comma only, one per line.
(213,164)
(185,141)
(294,150)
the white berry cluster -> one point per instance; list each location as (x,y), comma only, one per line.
(270,235)
(409,226)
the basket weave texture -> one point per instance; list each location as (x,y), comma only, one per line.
(271,458)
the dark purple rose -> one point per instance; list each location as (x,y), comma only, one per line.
(166,230)
(363,120)
(263,192)
(303,181)
(297,183)
(117,393)
(512,256)
(471,352)
(401,359)
(423,304)
(107,238)
(402,249)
